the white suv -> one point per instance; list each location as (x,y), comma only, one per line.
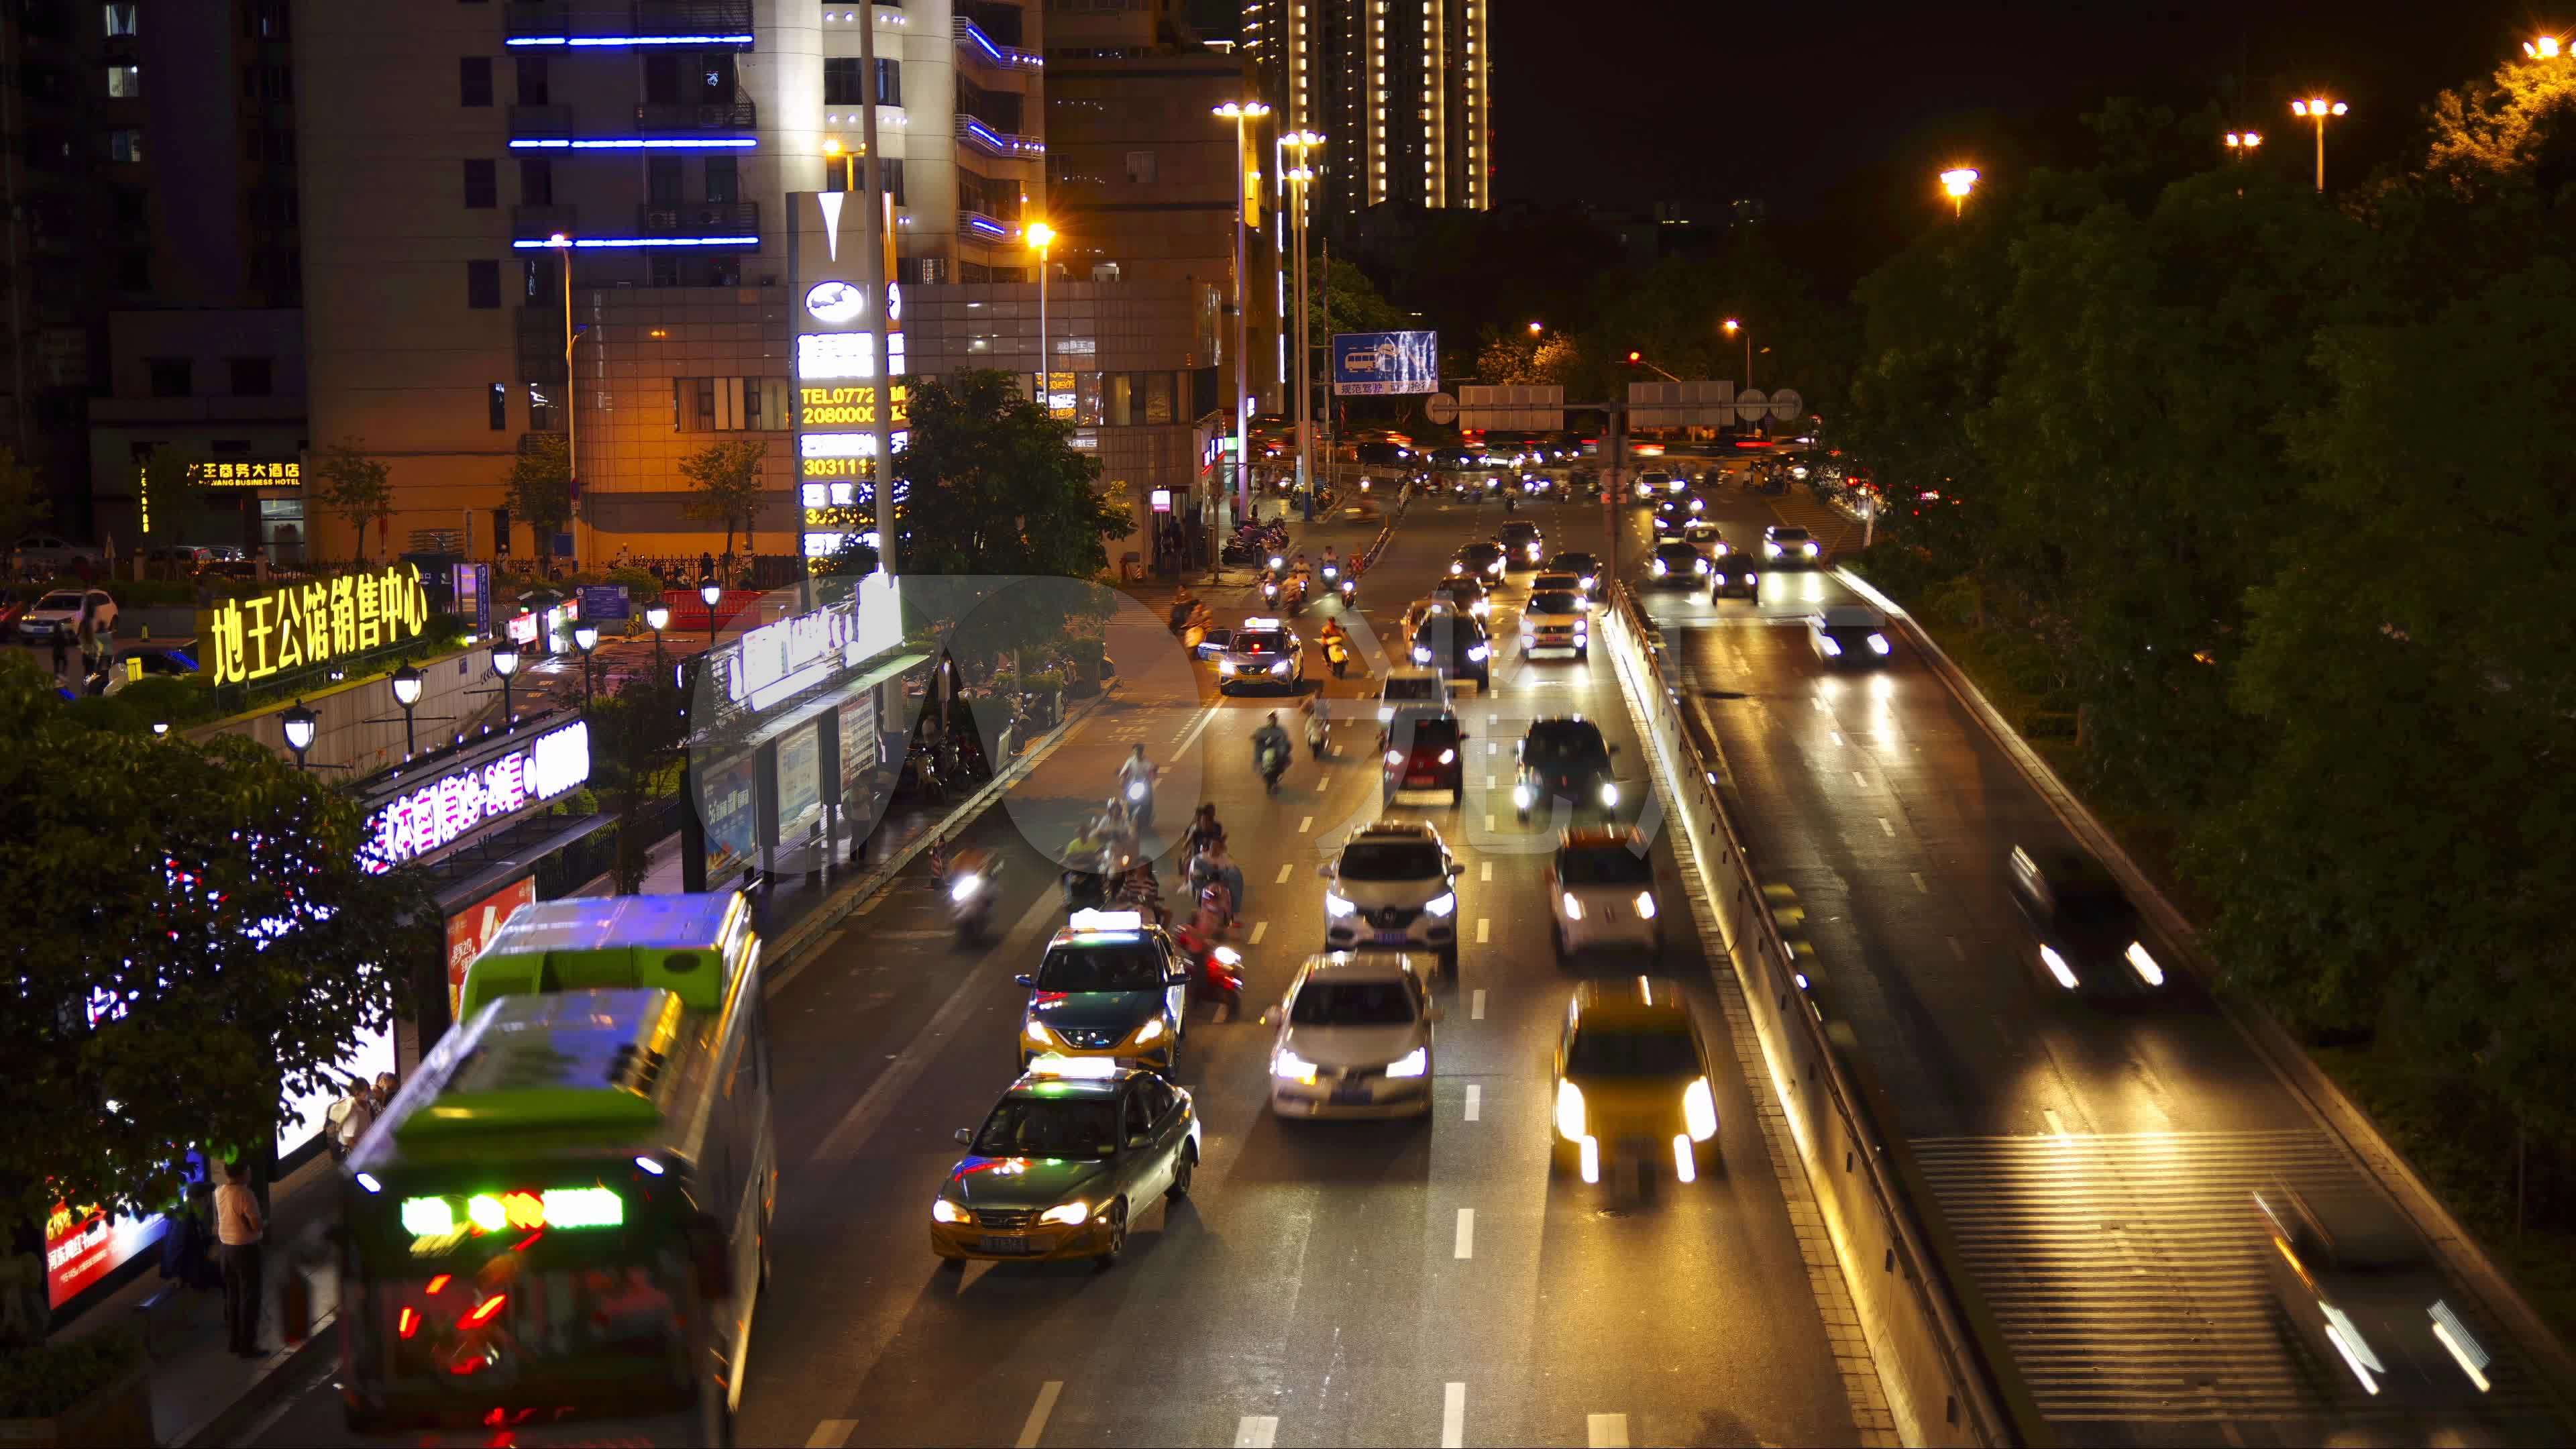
(1394,887)
(1601,892)
(1354,1038)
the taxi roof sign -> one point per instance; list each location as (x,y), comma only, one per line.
(1260,623)
(1105,921)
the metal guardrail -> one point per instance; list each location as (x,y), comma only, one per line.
(972,39)
(1004,144)
(1951,1379)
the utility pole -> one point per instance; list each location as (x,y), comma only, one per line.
(878,242)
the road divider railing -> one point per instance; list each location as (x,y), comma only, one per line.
(1949,1375)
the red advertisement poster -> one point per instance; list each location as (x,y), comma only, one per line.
(471,929)
(84,1245)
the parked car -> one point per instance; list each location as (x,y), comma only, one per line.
(48,553)
(60,612)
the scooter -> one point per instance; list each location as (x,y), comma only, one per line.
(1337,656)
(971,892)
(1317,735)
(1220,970)
(1332,571)
(1270,593)
(1273,763)
(1350,591)
(1140,805)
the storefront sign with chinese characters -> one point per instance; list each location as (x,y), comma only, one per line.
(429,818)
(296,625)
(277,473)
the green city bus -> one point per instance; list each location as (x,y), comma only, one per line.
(561,1224)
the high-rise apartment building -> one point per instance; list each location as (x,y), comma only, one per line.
(445,146)
(1401,90)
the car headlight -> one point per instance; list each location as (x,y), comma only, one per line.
(965,889)
(1293,1068)
(1770,549)
(1457,568)
(1645,905)
(1699,566)
(1038,1035)
(1279,668)
(1569,1112)
(1412,1064)
(1573,907)
(1696,505)
(1751,578)
(1699,1110)
(1395,757)
(2057,967)
(1336,907)
(1533,553)
(944,1211)
(2145,965)
(1521,796)
(1659,568)
(1070,1214)
(1442,905)
(1421,655)
(1582,627)
(1878,645)
(1495,567)
(1448,757)
(1811,548)
(1476,653)
(1225,666)
(1609,793)
(1150,1032)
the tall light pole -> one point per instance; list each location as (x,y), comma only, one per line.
(1956,183)
(1248,178)
(1731,327)
(2317,108)
(880,295)
(562,244)
(1302,143)
(1040,237)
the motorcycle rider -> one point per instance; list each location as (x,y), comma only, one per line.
(1332,564)
(1270,751)
(1319,721)
(1205,830)
(1336,644)
(1137,770)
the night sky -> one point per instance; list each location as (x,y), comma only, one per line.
(1813,107)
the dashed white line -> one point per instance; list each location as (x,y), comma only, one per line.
(1485,871)
(1837,734)
(2056,1124)
(1259,930)
(1035,1428)
(1476,1004)
(1257,1431)
(1884,826)
(1465,1245)
(1306,824)
(1489,825)
(1606,1431)
(1489,782)
(1453,1415)
(832,1434)
(1916,876)
(1475,1102)
(1483,924)
(1860,779)
(1821,707)
(1285,871)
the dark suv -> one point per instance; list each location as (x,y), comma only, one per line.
(2089,937)
(1457,646)
(1564,759)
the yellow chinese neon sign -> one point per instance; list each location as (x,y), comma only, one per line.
(297,625)
(284,473)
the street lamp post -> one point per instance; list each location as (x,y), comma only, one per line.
(1242,113)
(585,637)
(1302,143)
(1956,183)
(657,617)
(562,244)
(505,662)
(2317,108)
(1041,237)
(1731,327)
(298,724)
(406,683)
(710,591)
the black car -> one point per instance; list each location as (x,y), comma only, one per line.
(1734,576)
(1676,564)
(1565,760)
(1455,645)
(2089,937)
(1523,545)
(1452,458)
(1582,565)
(1425,752)
(1484,560)
(1672,515)
(2366,1297)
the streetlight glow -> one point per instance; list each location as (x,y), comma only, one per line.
(2545,47)
(1535,329)
(1956,183)
(2317,109)
(2244,140)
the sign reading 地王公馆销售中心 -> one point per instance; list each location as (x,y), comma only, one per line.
(317,621)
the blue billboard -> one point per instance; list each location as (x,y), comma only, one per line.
(1375,364)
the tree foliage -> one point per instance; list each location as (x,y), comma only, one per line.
(539,486)
(348,482)
(727,477)
(639,737)
(193,940)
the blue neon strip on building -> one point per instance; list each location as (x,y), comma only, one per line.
(623,40)
(598,243)
(643,143)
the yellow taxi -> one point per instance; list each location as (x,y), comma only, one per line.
(1632,1080)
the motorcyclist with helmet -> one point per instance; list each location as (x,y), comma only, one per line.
(1271,751)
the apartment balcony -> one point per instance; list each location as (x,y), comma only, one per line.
(698,220)
(972,132)
(537,223)
(693,17)
(620,24)
(976,45)
(741,116)
(975,226)
(540,123)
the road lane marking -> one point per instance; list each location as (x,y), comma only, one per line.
(1035,1428)
(1206,717)
(865,906)
(1917,877)
(1466,1243)
(1476,1005)
(1257,1431)
(1489,782)
(1890,829)
(1453,1415)
(1489,825)
(1860,779)
(1606,1431)
(832,1434)
(1259,929)
(1957,951)
(2056,1124)
(1821,706)
(1306,824)
(1482,922)
(1837,734)
(1285,871)
(1475,1102)
(1486,872)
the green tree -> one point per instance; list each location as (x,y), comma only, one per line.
(23,504)
(194,942)
(345,480)
(995,486)
(1341,298)
(639,737)
(727,477)
(539,487)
